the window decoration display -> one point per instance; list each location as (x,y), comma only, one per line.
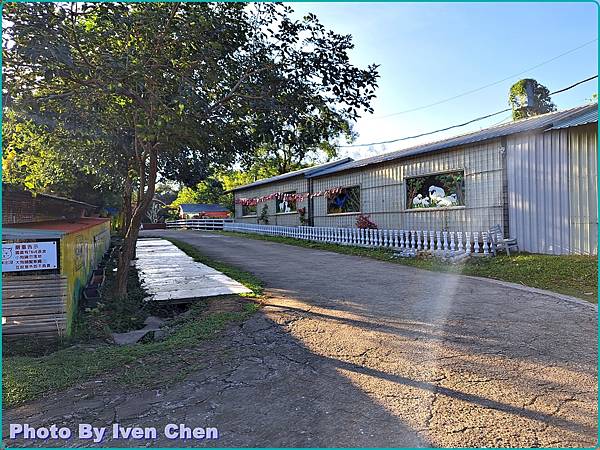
(443,190)
(286,203)
(347,200)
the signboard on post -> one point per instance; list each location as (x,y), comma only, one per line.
(23,256)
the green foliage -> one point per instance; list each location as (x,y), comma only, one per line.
(246,278)
(41,160)
(451,182)
(208,191)
(528,104)
(197,88)
(302,216)
(264,215)
(414,186)
(26,378)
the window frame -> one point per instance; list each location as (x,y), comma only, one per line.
(295,211)
(360,205)
(250,215)
(406,202)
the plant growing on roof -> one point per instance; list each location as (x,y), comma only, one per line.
(529,98)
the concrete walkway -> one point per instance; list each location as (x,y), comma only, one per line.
(357,352)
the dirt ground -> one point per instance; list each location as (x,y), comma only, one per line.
(356,352)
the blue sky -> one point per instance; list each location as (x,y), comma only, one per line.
(432,51)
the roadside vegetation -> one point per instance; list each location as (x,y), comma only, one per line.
(246,278)
(566,274)
(34,367)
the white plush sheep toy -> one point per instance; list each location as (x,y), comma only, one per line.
(418,200)
(435,191)
(439,198)
(447,201)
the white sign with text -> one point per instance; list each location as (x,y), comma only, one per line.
(21,256)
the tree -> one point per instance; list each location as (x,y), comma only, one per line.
(299,129)
(42,161)
(528,98)
(184,85)
(207,191)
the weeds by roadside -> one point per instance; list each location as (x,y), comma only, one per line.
(25,378)
(246,278)
(31,369)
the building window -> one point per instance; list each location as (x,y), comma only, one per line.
(248,210)
(347,201)
(442,190)
(283,205)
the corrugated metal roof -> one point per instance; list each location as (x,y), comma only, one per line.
(202,207)
(309,171)
(580,119)
(541,122)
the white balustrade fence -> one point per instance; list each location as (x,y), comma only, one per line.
(411,241)
(199,224)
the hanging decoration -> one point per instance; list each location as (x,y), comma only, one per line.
(296,197)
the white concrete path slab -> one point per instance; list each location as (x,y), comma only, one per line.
(169,275)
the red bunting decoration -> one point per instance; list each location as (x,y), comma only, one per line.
(296,197)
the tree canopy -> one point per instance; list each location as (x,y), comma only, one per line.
(178,91)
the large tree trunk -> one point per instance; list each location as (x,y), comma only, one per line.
(127,197)
(133,227)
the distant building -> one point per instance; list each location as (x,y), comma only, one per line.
(203,210)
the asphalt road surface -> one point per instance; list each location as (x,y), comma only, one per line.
(351,351)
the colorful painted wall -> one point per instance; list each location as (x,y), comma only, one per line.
(80,252)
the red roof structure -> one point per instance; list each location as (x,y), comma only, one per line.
(67,226)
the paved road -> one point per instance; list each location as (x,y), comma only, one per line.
(358,352)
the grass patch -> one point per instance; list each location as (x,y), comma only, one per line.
(36,367)
(565,274)
(25,378)
(246,278)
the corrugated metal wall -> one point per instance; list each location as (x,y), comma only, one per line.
(383,191)
(552,190)
(298,184)
(583,142)
(551,181)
